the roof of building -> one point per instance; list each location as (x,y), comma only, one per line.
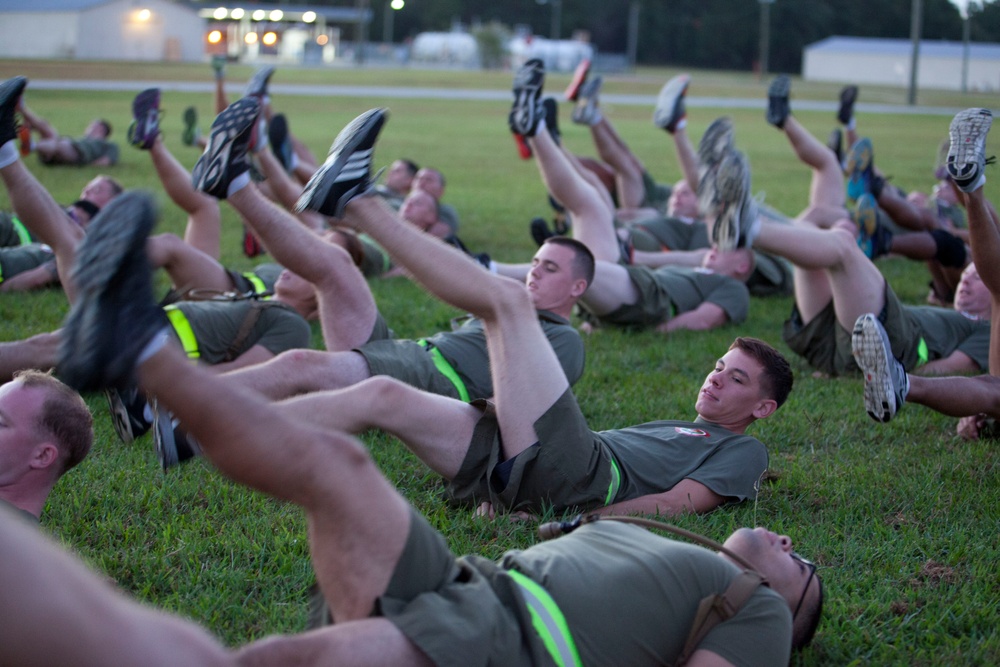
(941,49)
(332,14)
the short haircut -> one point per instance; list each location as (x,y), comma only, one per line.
(106,125)
(807,620)
(115,186)
(777,379)
(583,259)
(411,166)
(63,416)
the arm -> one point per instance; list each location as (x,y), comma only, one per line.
(704,317)
(955,363)
(40,276)
(686,496)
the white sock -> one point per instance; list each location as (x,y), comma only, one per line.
(154,345)
(596,118)
(851,124)
(9,153)
(238,183)
(681,124)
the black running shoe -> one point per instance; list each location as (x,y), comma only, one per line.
(346,174)
(173,445)
(128,412)
(527,108)
(10,94)
(540,231)
(835,142)
(670,109)
(281,144)
(552,118)
(777,101)
(114,315)
(848,96)
(257,85)
(145,125)
(191,132)
(225,156)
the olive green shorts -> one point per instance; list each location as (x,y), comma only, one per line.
(407,361)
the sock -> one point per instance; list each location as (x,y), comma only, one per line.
(851,124)
(10,152)
(681,124)
(238,183)
(597,118)
(154,345)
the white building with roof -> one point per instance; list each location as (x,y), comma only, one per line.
(887,62)
(101,30)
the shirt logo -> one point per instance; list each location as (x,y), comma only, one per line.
(691,431)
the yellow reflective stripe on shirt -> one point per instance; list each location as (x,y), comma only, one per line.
(616,481)
(184,331)
(923,355)
(258,285)
(445,369)
(22,232)
(548,621)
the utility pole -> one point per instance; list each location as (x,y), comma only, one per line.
(765,35)
(916,18)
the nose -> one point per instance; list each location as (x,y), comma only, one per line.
(786,542)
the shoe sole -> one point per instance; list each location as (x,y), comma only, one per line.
(848,96)
(586,103)
(579,77)
(258,83)
(857,167)
(666,104)
(341,162)
(527,88)
(190,119)
(777,100)
(163,438)
(732,185)
(143,123)
(235,121)
(109,242)
(10,92)
(120,419)
(967,132)
(871,349)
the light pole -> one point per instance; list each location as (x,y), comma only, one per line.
(391,7)
(765,34)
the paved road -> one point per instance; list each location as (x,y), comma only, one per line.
(465,94)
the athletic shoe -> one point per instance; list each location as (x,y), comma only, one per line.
(551,108)
(967,154)
(10,94)
(219,66)
(777,101)
(173,445)
(191,132)
(114,315)
(527,108)
(715,144)
(579,77)
(225,155)
(874,239)
(540,231)
(346,174)
(585,112)
(835,142)
(145,125)
(24,140)
(259,136)
(670,109)
(859,168)
(257,85)
(128,407)
(886,382)
(734,210)
(252,247)
(281,144)
(848,96)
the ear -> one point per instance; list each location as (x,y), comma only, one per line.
(45,455)
(579,287)
(765,408)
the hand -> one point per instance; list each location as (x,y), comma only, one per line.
(587,328)
(969,427)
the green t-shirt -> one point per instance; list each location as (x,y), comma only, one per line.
(657,455)
(629,598)
(945,330)
(215,325)
(449,216)
(23,258)
(465,350)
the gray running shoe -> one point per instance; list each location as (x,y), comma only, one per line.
(777,101)
(886,382)
(670,104)
(715,144)
(967,154)
(257,85)
(734,211)
(127,406)
(585,111)
(527,107)
(848,96)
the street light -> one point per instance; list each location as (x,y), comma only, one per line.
(765,34)
(392,6)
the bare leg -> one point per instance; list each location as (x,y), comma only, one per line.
(38,352)
(984,236)
(611,148)
(187,266)
(301,371)
(43,585)
(285,191)
(957,396)
(357,521)
(905,213)
(686,156)
(204,220)
(44,217)
(826,192)
(347,310)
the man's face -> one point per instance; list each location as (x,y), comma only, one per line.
(944,190)
(19,406)
(429,180)
(296,291)
(727,262)
(770,554)
(399,178)
(550,281)
(731,394)
(98,192)
(683,202)
(95,130)
(971,295)
(419,208)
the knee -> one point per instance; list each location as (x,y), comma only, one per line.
(387,392)
(508,299)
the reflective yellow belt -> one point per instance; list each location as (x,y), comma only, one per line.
(258,285)
(548,621)
(923,355)
(184,331)
(22,232)
(616,480)
(445,369)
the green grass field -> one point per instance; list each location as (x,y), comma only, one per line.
(902,518)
